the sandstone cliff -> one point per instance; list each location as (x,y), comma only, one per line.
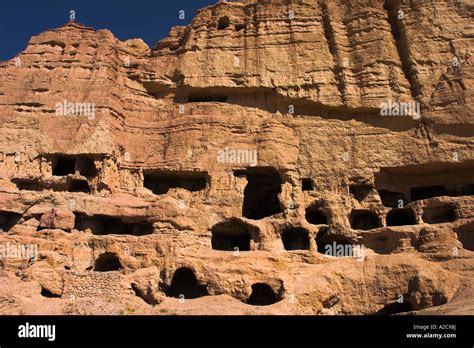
(212,172)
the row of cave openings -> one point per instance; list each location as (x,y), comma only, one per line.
(185,285)
(261,196)
(260,200)
(77,169)
(261,192)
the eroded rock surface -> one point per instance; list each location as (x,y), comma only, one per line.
(212,173)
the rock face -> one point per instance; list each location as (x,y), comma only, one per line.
(272,157)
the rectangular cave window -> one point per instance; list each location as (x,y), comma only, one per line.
(306,184)
(261,193)
(78,185)
(161,182)
(361,219)
(86,166)
(64,165)
(426,192)
(440,214)
(391,199)
(104,225)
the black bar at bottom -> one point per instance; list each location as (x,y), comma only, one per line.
(289,330)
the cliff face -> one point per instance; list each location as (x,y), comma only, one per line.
(214,172)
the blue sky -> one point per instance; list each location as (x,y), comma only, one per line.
(146,19)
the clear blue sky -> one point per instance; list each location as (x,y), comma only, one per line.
(146,19)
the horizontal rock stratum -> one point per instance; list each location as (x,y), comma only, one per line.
(272,157)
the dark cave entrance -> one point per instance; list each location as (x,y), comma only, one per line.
(107,262)
(364,220)
(327,243)
(401,217)
(103,225)
(161,182)
(184,283)
(231,234)
(360,191)
(306,184)
(465,235)
(64,165)
(78,185)
(8,220)
(261,193)
(223,23)
(391,199)
(426,192)
(440,214)
(316,216)
(262,295)
(46,293)
(295,238)
(86,167)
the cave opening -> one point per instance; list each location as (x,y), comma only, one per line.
(262,295)
(229,235)
(360,191)
(185,284)
(426,192)
(467,190)
(361,219)
(78,185)
(316,216)
(240,26)
(64,165)
(261,193)
(8,220)
(401,217)
(295,238)
(86,166)
(391,199)
(223,23)
(46,293)
(395,308)
(104,225)
(161,182)
(465,235)
(107,262)
(439,214)
(328,243)
(306,184)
